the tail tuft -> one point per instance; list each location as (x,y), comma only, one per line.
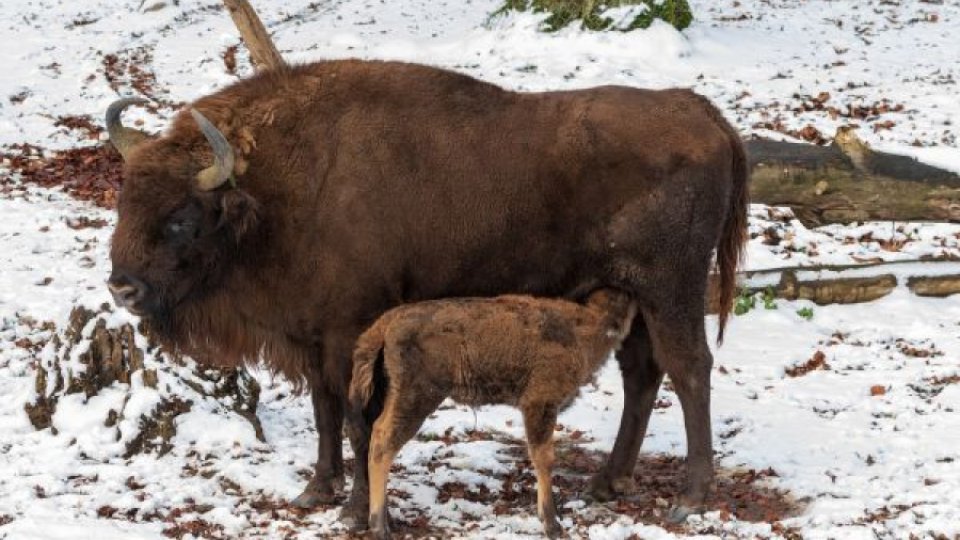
(365,357)
(730,249)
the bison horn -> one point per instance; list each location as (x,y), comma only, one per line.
(221,171)
(123,138)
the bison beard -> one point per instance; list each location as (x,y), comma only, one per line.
(360,186)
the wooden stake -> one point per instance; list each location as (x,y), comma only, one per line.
(263,53)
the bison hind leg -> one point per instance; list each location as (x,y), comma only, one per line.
(641,381)
(680,348)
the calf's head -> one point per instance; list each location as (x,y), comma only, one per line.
(181,219)
(618,310)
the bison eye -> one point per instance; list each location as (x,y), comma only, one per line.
(181,229)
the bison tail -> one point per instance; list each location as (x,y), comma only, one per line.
(730,249)
(365,357)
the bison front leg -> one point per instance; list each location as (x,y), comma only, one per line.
(328,387)
(327,481)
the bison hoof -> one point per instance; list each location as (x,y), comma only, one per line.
(315,494)
(625,485)
(311,499)
(603,488)
(692,501)
(354,516)
(379,533)
(552,529)
(679,513)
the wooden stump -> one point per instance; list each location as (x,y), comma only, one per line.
(90,356)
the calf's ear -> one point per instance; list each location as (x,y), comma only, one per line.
(239,212)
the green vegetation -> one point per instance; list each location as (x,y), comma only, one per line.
(769,298)
(745,302)
(592,13)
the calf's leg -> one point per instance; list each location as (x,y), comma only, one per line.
(403,414)
(383,450)
(359,428)
(641,380)
(539,420)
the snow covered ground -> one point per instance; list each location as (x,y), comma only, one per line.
(867,448)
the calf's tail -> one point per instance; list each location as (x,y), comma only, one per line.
(365,357)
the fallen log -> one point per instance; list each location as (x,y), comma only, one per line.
(835,291)
(863,282)
(936,286)
(835,267)
(848,181)
(820,291)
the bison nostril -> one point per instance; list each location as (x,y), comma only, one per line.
(126,291)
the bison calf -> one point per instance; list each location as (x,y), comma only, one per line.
(532,353)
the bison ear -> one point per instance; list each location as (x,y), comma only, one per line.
(239,212)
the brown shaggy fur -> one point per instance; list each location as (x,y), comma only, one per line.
(531,353)
(365,185)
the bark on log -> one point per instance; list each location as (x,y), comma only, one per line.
(263,53)
(847,181)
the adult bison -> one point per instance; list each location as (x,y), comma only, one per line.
(282,215)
